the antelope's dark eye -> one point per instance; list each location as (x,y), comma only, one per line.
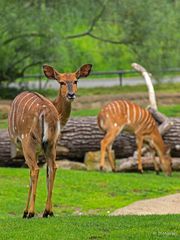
(62,83)
(75,82)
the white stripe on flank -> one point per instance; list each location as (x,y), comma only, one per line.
(143,124)
(134,113)
(32,103)
(141,120)
(14,113)
(25,106)
(128,113)
(110,108)
(114,107)
(140,113)
(117,107)
(21,102)
(149,122)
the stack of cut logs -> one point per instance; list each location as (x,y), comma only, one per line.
(82,135)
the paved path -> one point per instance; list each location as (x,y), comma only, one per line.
(90,83)
(163,205)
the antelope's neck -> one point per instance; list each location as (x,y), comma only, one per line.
(64,109)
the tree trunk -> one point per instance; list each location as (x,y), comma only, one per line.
(82,135)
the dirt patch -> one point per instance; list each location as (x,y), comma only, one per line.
(163,205)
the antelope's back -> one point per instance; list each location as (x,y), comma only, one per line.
(31,113)
(126,113)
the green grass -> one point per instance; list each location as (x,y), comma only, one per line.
(92,194)
(88,228)
(81,191)
(3,123)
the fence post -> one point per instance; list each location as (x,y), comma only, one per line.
(120,78)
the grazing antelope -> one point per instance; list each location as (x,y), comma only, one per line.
(119,115)
(35,122)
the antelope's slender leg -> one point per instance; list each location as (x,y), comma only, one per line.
(156,164)
(28,199)
(111,160)
(139,141)
(51,171)
(105,146)
(30,156)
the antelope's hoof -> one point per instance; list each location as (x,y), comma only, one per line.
(30,215)
(114,170)
(157,172)
(101,168)
(25,214)
(48,213)
(141,171)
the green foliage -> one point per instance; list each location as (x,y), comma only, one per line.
(110,35)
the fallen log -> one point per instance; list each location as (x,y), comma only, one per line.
(82,135)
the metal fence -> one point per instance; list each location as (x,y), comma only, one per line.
(119,73)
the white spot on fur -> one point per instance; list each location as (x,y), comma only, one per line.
(44,105)
(22,136)
(115,124)
(37,104)
(107,115)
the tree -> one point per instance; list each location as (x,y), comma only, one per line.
(26,39)
(110,34)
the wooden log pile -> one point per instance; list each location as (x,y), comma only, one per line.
(82,135)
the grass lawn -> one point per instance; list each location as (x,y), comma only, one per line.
(90,194)
(92,227)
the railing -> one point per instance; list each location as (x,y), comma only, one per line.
(119,73)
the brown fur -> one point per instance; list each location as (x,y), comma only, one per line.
(35,123)
(119,115)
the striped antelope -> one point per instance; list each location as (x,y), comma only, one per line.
(35,123)
(121,114)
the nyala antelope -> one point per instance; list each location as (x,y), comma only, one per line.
(35,123)
(119,115)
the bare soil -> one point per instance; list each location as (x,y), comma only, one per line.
(163,205)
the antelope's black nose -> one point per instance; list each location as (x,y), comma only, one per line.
(71,95)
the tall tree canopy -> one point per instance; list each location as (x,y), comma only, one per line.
(111,34)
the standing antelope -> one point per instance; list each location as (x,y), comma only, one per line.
(119,114)
(35,122)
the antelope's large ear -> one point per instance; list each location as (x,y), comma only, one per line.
(50,72)
(84,71)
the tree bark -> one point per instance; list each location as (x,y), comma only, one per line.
(82,135)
